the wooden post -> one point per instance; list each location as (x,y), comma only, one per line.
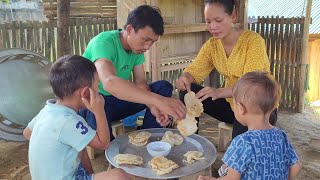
(155,61)
(63,14)
(242,10)
(304,56)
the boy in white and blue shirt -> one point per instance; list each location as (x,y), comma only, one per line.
(263,152)
(58,135)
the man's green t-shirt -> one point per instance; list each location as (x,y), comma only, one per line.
(107,45)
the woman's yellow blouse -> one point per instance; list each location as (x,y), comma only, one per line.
(248,54)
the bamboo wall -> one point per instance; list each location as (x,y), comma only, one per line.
(283,37)
(41,37)
(313,92)
(83,8)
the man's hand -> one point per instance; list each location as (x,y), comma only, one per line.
(161,118)
(172,107)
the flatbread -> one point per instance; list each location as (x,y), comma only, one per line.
(139,138)
(128,159)
(193,156)
(193,104)
(172,139)
(162,165)
(187,126)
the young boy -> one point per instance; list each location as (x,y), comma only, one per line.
(264,151)
(58,135)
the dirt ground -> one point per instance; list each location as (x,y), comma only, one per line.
(300,127)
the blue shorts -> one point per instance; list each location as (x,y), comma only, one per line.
(82,174)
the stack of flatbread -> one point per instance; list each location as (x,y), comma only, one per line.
(194,106)
(139,138)
(128,159)
(193,156)
(172,139)
(162,165)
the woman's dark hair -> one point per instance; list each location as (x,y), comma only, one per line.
(146,15)
(69,73)
(228,5)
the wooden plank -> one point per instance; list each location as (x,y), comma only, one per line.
(21,35)
(29,35)
(277,39)
(184,28)
(282,52)
(291,67)
(272,46)
(6,35)
(286,101)
(78,34)
(14,35)
(72,32)
(45,44)
(298,63)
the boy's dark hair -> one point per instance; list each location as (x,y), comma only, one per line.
(146,15)
(228,5)
(69,73)
(258,90)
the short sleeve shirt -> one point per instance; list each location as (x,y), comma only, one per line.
(261,154)
(107,45)
(249,54)
(58,135)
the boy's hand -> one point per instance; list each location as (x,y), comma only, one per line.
(96,103)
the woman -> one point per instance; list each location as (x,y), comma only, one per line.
(232,52)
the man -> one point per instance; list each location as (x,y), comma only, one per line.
(118,53)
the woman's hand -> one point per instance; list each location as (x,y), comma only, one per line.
(184,82)
(208,92)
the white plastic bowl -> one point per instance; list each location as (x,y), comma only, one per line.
(158,148)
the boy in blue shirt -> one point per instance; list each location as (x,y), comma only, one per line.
(264,151)
(58,135)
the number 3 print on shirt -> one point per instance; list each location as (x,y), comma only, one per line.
(82,127)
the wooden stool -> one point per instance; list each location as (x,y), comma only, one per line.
(225,136)
(117,130)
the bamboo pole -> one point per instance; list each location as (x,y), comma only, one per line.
(63,21)
(303,65)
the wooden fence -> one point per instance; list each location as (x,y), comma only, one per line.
(283,37)
(83,8)
(41,37)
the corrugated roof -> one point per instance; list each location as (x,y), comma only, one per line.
(286,8)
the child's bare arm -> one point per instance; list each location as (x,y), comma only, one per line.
(96,106)
(85,161)
(294,170)
(232,175)
(27,133)
(206,178)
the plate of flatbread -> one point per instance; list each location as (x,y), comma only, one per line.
(128,147)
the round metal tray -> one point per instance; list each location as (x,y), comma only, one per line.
(194,142)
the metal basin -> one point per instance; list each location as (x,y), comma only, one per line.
(24,88)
